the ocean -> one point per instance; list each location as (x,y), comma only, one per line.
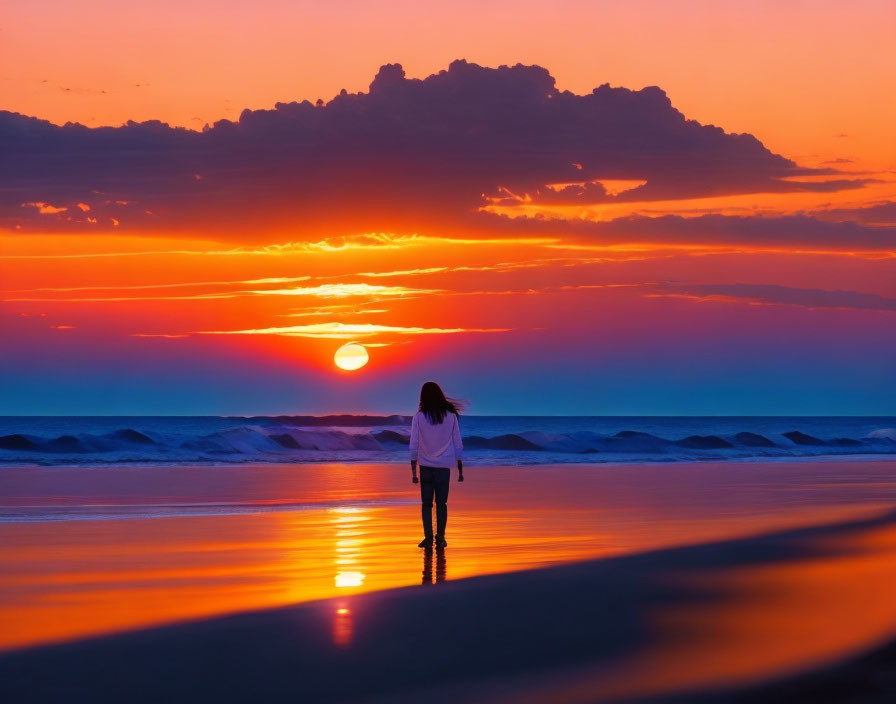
(493,440)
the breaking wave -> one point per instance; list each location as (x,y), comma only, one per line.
(288,439)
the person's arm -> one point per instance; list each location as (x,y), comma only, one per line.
(412,446)
(458,450)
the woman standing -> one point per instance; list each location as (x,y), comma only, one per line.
(436,444)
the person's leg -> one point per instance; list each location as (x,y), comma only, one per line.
(442,479)
(427,488)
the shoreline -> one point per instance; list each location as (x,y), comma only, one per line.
(784,459)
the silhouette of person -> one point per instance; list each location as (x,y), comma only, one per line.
(436,444)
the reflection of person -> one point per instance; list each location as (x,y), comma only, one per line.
(441,566)
(436,445)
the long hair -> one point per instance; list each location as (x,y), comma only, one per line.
(435,405)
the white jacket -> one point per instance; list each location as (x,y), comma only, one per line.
(435,445)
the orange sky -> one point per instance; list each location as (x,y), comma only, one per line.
(236,303)
(813,80)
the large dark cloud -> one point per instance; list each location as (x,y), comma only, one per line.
(407,154)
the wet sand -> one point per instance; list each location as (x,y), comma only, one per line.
(627,625)
(642,627)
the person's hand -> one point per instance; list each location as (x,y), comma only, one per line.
(415,480)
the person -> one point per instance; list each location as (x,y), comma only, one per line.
(436,445)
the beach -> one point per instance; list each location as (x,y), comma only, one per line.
(625,272)
(593,582)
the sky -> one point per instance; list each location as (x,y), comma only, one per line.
(604,208)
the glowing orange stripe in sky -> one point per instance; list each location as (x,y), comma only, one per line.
(346,331)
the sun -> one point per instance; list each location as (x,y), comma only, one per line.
(351,356)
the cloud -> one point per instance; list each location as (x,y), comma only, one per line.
(45,208)
(405,272)
(775,294)
(595,192)
(786,232)
(345,331)
(407,154)
(873,214)
(161,334)
(328,310)
(187,284)
(342,291)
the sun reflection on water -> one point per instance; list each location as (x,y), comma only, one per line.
(348,522)
(349,579)
(343,627)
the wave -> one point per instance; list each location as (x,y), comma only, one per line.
(280,440)
(343,420)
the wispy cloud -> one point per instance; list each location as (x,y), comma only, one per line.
(616,252)
(385,240)
(328,310)
(186,284)
(371,240)
(105,255)
(363,241)
(111,299)
(793,234)
(344,331)
(160,334)
(773,294)
(343,290)
(406,272)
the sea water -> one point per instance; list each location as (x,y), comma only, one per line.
(509,440)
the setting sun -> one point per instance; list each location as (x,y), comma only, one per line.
(351,356)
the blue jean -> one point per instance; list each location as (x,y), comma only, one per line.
(434,481)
